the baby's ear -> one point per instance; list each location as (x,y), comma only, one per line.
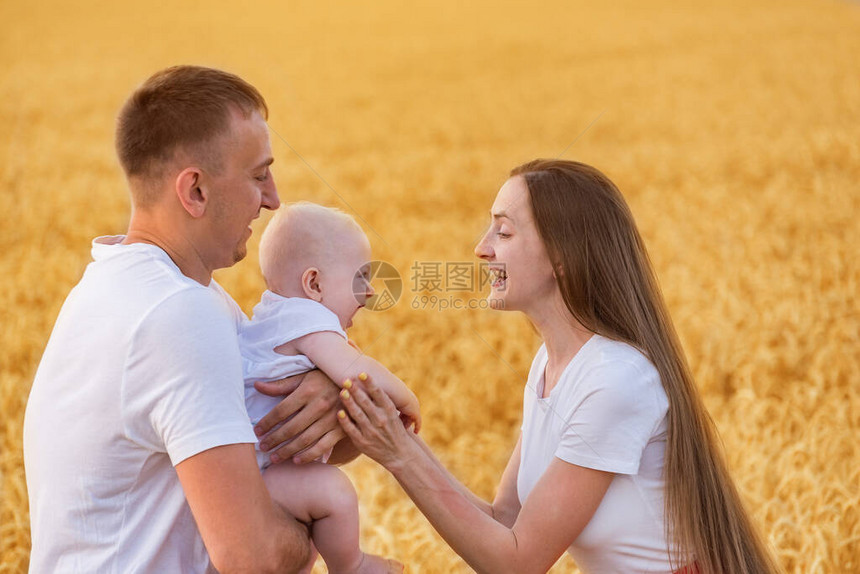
(311,284)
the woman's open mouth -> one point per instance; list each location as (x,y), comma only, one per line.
(499,277)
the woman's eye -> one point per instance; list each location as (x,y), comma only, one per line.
(502,235)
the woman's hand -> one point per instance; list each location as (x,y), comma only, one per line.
(375,426)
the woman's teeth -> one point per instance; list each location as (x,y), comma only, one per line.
(499,278)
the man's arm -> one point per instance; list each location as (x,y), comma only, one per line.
(242,528)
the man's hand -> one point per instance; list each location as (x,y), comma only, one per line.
(312,428)
(282,387)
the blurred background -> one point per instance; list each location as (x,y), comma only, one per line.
(733,129)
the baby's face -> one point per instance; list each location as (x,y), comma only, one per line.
(345,279)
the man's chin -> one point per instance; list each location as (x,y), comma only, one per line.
(239,254)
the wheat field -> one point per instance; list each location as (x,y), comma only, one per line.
(733,129)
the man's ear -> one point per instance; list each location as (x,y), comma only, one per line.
(311,284)
(190,191)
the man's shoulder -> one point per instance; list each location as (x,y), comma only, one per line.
(199,310)
(135,270)
(142,276)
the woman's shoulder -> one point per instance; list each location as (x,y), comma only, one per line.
(621,377)
(611,363)
(609,353)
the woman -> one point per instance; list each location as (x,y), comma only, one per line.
(618,460)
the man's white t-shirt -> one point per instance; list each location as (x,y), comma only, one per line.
(142,371)
(607,412)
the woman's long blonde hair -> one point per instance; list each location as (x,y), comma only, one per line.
(609,286)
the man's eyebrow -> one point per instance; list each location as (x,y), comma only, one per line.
(265,163)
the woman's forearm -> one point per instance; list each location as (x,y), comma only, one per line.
(485,544)
(478,502)
(371,420)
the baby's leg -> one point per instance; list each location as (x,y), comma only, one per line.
(321,494)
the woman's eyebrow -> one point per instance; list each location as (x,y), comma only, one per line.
(500,215)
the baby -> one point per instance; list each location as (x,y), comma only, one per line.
(315,262)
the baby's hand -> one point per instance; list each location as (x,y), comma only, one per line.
(410,413)
(403,398)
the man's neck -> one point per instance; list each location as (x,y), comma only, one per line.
(183,253)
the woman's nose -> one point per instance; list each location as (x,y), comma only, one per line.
(483,250)
(370,291)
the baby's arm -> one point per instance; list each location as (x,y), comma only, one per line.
(333,355)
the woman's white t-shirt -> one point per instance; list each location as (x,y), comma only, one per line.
(607,412)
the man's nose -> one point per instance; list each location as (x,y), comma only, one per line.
(270,199)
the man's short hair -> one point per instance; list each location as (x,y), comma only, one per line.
(181,108)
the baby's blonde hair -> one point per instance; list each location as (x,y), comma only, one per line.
(302,235)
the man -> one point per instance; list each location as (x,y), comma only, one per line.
(137,447)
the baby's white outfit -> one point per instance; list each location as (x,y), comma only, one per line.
(278,320)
